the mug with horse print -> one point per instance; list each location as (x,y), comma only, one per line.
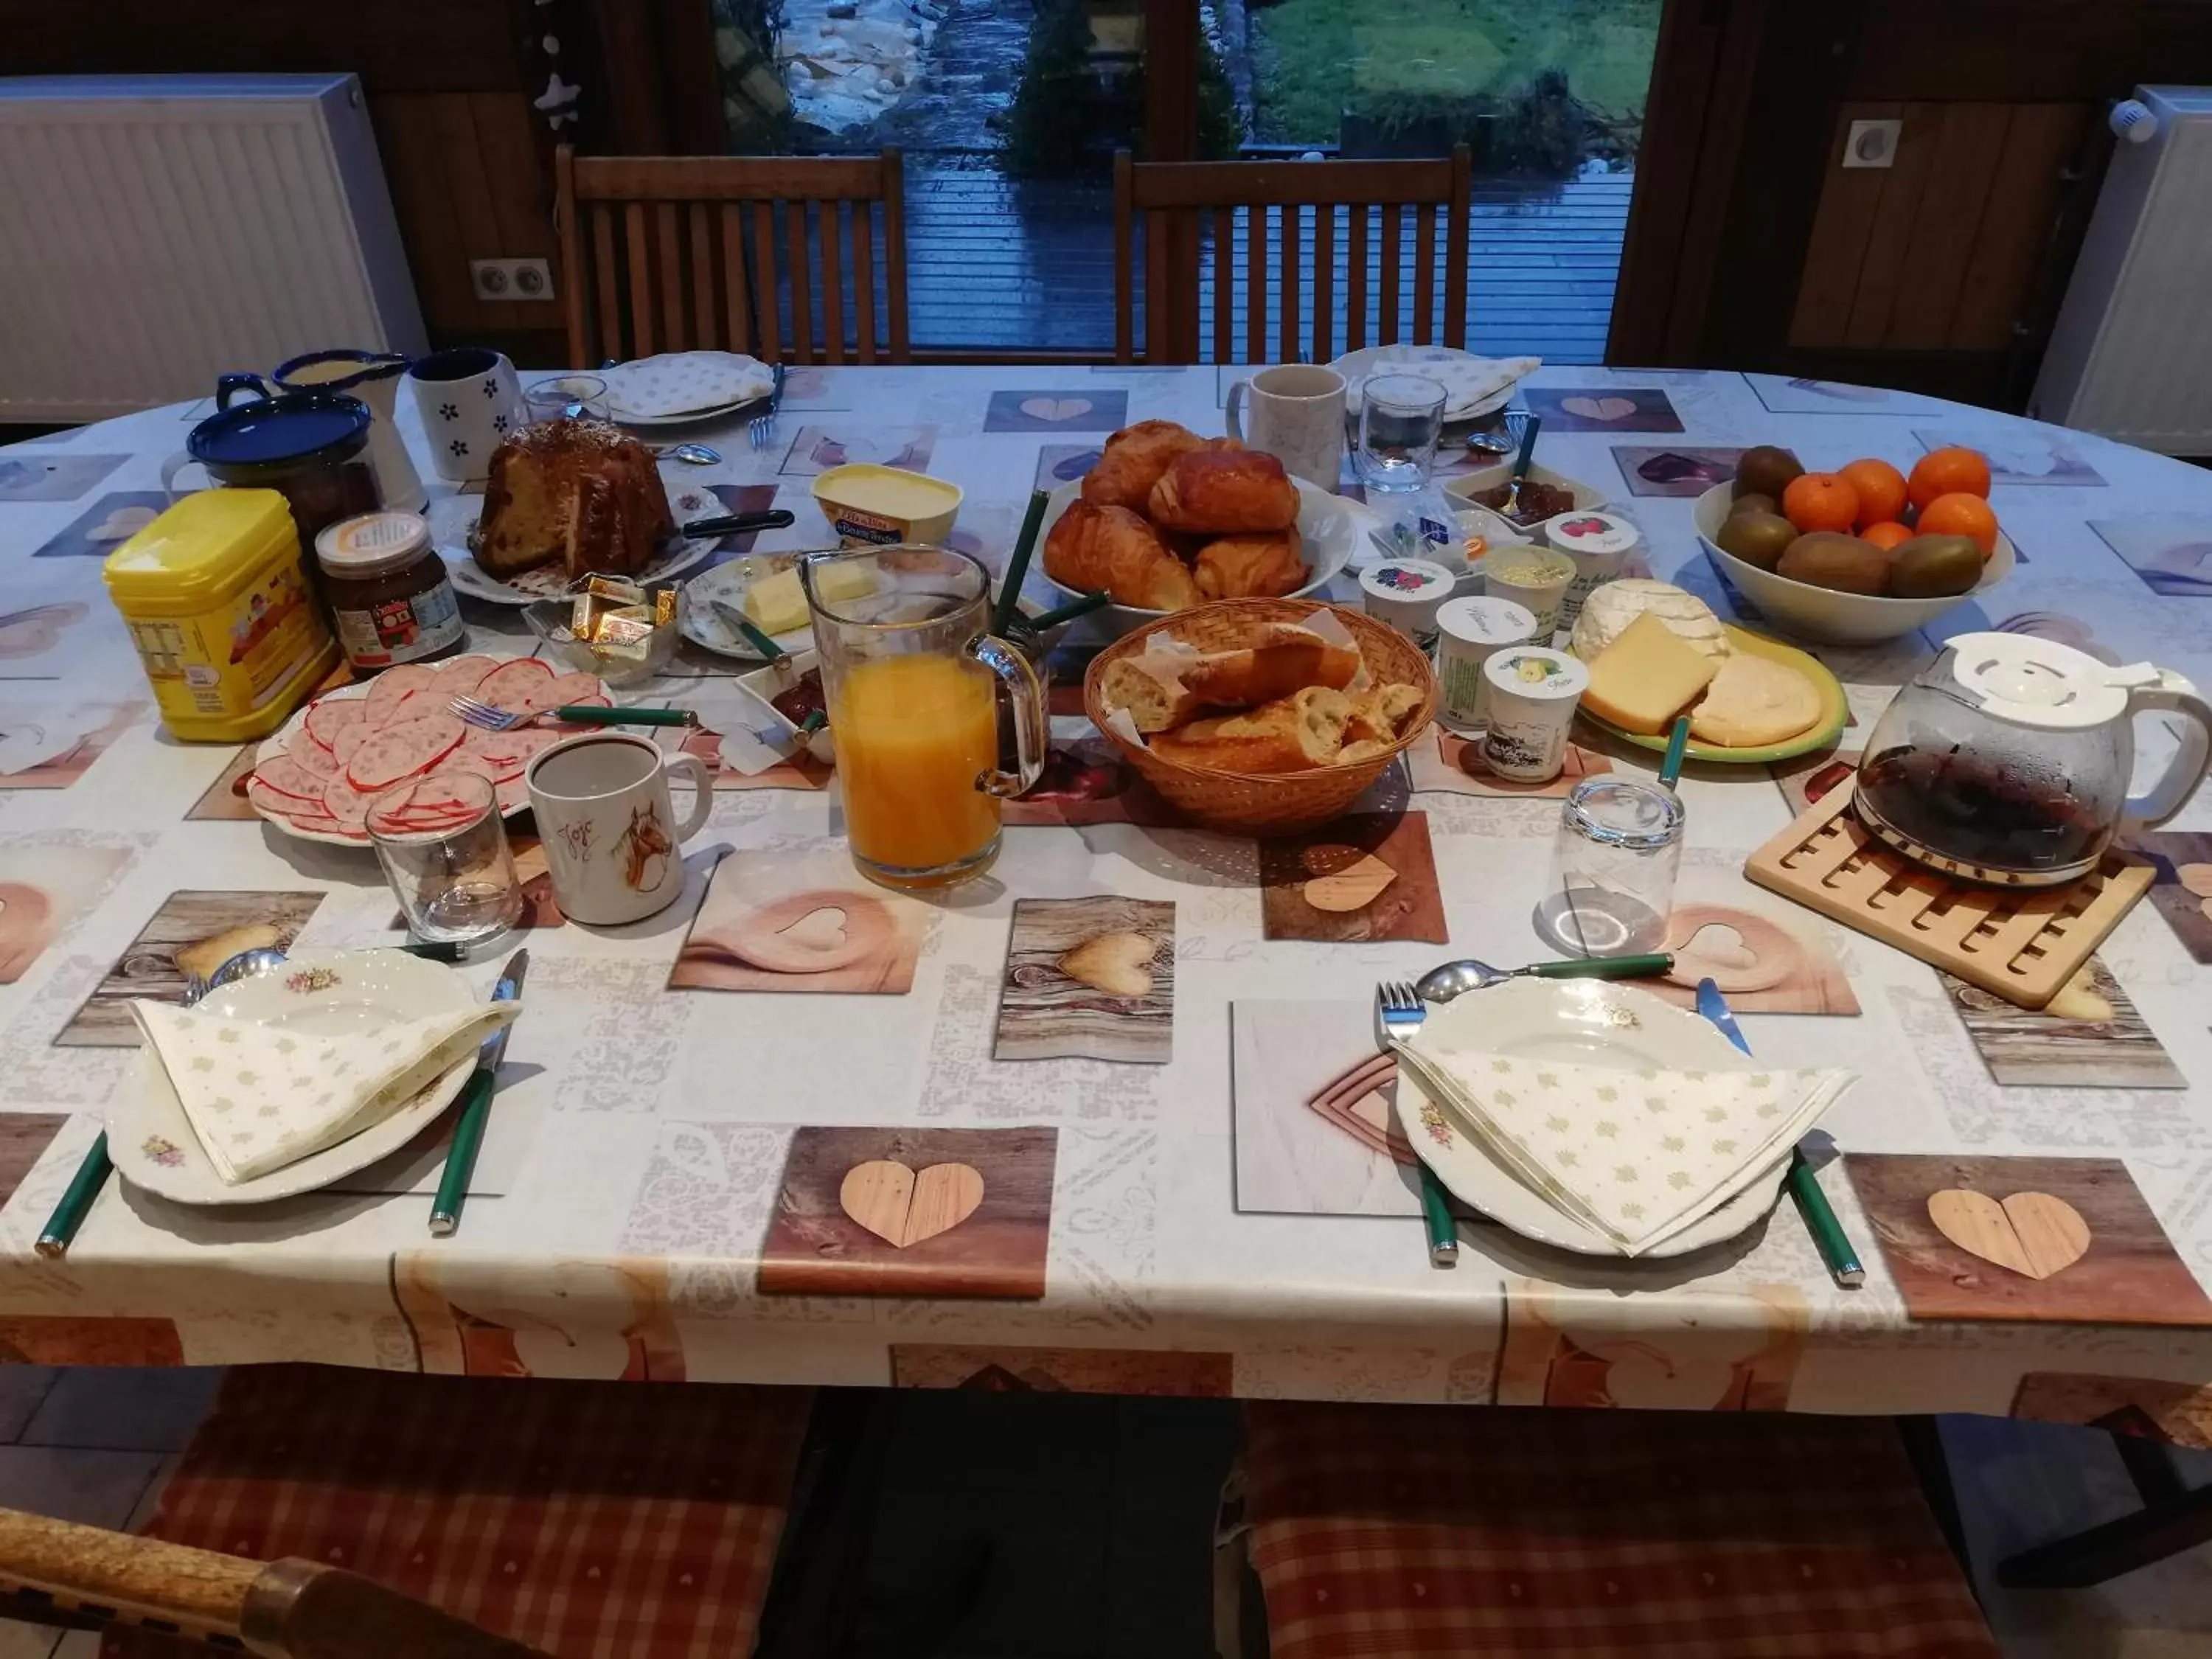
(608,826)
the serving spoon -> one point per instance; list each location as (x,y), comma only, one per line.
(1456,978)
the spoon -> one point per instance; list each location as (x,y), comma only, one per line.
(1455,978)
(1500,440)
(247,964)
(690,455)
(1521,464)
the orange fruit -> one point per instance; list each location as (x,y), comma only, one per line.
(1961,514)
(1887,534)
(1947,472)
(1821,501)
(1881,487)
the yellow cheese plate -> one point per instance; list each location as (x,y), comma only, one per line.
(1835,712)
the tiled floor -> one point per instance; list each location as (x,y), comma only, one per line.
(1060,1526)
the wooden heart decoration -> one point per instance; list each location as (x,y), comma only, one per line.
(2196,877)
(903,1208)
(1354,887)
(821,930)
(1599,409)
(1055,409)
(2031,1234)
(1721,945)
(1120,964)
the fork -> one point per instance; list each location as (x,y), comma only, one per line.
(762,428)
(492,718)
(1398,1013)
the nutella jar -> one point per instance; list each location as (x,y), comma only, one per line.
(389,597)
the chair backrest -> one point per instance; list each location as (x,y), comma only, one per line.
(55,1572)
(682,253)
(1191,208)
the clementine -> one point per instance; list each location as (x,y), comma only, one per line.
(1961,514)
(1887,534)
(1821,501)
(1954,470)
(1881,487)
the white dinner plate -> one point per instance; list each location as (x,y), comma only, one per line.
(728,583)
(1331,528)
(1447,364)
(452,521)
(153,1143)
(1582,1022)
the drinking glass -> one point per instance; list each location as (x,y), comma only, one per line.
(1613,862)
(1401,418)
(549,400)
(446,858)
(913,675)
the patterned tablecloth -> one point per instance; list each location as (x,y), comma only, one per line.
(659,1195)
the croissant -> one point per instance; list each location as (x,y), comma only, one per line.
(1111,548)
(1134,459)
(1230,492)
(1295,734)
(1251,567)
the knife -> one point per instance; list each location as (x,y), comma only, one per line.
(1834,1244)
(737,524)
(475,1108)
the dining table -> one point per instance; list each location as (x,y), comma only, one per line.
(666,1191)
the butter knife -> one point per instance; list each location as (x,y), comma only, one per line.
(475,1108)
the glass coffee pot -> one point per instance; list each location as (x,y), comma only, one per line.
(2008,759)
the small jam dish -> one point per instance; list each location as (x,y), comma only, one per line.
(778,678)
(881,506)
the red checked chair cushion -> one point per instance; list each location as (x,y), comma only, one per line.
(582,1518)
(1405,1532)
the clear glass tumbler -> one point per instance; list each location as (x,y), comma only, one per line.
(444,851)
(549,400)
(1401,418)
(1614,863)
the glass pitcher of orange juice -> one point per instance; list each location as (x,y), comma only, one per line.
(911,674)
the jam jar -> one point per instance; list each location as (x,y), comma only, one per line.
(389,597)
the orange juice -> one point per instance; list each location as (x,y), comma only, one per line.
(914,733)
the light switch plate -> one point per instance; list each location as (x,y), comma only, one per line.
(511,279)
(1872,144)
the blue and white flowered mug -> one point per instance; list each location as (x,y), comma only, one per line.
(469,400)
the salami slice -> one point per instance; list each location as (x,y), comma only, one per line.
(513,684)
(562,689)
(462,763)
(331,716)
(510,751)
(349,739)
(313,758)
(394,753)
(513,795)
(284,775)
(392,685)
(265,799)
(460,677)
(345,803)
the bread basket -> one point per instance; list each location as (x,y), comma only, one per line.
(1279,803)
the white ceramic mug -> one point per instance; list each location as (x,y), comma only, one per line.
(604,819)
(469,400)
(1297,417)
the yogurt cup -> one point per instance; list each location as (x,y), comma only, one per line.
(1405,594)
(1598,544)
(1536,580)
(1533,693)
(1469,632)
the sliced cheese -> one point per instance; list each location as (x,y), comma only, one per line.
(1609,610)
(777,604)
(1753,701)
(1646,676)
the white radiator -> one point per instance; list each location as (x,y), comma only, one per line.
(2131,354)
(158,230)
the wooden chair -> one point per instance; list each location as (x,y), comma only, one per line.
(1191,211)
(460,1517)
(681,253)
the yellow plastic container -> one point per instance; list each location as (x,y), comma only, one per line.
(221,611)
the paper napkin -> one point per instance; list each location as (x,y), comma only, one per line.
(261,1096)
(678,382)
(1636,1156)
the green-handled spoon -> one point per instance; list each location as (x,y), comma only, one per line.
(1456,978)
(1677,744)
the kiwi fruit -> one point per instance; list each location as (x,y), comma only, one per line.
(1756,538)
(1765,471)
(1826,558)
(1934,567)
(1754,503)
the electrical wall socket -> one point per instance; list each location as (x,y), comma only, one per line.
(511,279)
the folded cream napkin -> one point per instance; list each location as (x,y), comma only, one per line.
(1466,381)
(1636,1156)
(678,382)
(261,1096)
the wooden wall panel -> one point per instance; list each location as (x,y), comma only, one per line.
(2017,224)
(1885,268)
(1960,175)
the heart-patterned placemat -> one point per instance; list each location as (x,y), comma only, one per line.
(2062,1239)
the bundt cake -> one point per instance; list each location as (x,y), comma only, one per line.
(578,491)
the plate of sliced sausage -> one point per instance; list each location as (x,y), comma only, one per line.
(315,777)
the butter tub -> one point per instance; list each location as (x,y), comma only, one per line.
(867,505)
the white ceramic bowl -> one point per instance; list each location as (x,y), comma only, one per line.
(1821,613)
(1330,528)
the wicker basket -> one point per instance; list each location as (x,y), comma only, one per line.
(1276,803)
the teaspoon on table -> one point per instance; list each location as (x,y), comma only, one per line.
(1456,978)
(690,455)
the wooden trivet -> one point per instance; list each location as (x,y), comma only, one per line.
(2022,944)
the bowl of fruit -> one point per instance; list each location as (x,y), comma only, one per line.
(1860,555)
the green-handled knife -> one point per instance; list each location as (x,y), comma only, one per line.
(587,713)
(475,1108)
